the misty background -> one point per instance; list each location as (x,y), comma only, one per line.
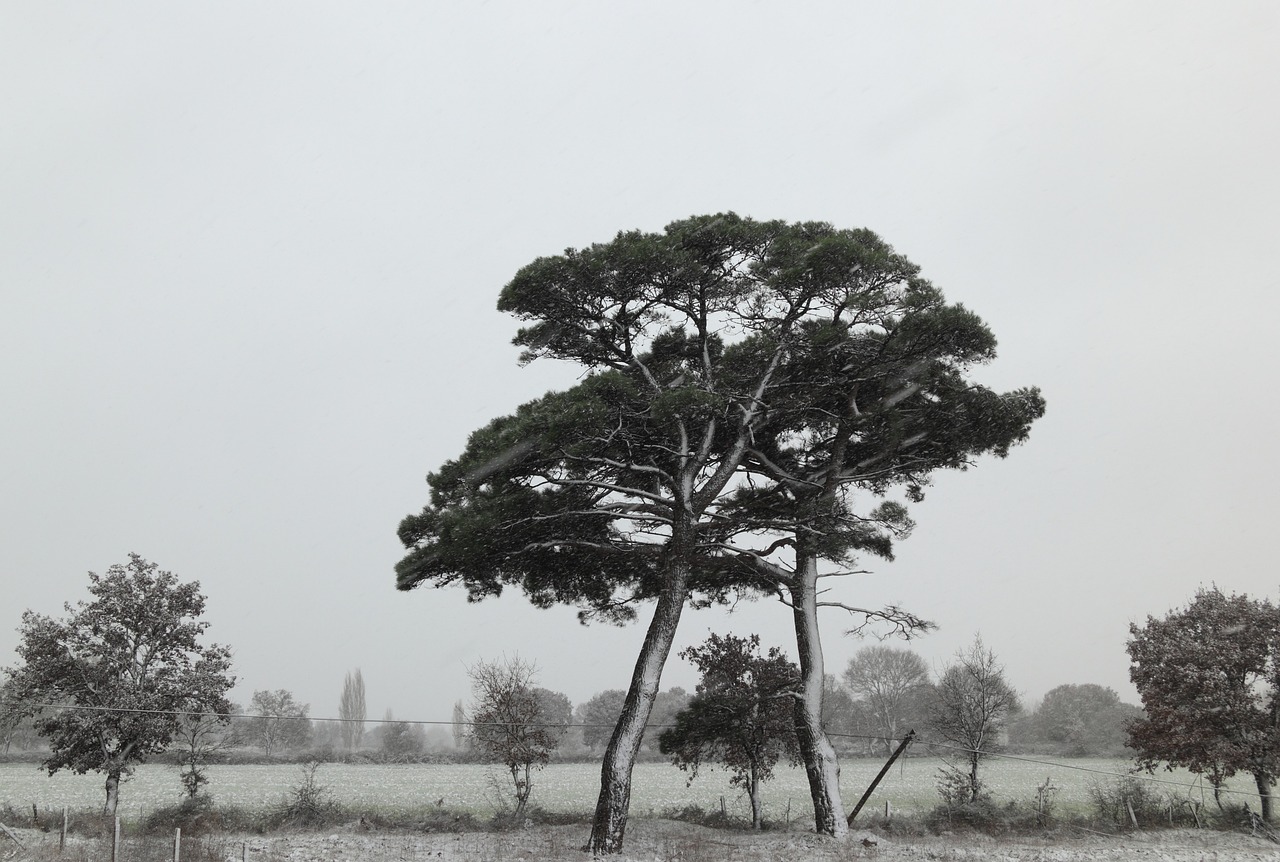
(249,258)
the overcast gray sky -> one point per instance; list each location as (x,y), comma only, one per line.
(249,257)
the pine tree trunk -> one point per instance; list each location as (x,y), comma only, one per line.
(610,822)
(816,751)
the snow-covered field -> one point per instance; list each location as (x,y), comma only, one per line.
(909,786)
(667,840)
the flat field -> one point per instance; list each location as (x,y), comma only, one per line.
(658,787)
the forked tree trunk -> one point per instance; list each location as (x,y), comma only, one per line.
(610,822)
(816,751)
(113,793)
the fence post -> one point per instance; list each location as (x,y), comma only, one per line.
(177,843)
(115,841)
(62,836)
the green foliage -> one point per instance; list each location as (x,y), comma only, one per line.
(400,741)
(815,359)
(741,715)
(1077,721)
(1209,677)
(124,667)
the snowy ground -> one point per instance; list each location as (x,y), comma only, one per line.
(668,841)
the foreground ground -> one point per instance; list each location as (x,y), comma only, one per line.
(671,841)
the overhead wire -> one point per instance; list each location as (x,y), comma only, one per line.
(469,723)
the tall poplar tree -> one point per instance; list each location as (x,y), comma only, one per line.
(352,710)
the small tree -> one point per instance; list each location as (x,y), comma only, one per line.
(400,740)
(889,681)
(972,703)
(123,668)
(741,715)
(278,721)
(1209,676)
(199,736)
(509,725)
(351,709)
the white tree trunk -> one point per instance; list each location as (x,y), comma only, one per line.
(610,822)
(816,751)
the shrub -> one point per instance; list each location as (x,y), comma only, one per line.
(1124,800)
(308,804)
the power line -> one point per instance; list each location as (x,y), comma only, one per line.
(919,741)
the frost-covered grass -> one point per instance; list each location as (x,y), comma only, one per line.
(568,788)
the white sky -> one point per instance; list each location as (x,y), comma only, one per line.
(249,257)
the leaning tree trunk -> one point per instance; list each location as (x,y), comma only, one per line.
(816,751)
(610,822)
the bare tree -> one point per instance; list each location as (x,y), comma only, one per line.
(278,720)
(887,680)
(351,709)
(508,722)
(972,704)
(199,736)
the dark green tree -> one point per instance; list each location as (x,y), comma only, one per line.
(1209,677)
(400,741)
(122,670)
(714,410)
(740,716)
(875,397)
(1084,720)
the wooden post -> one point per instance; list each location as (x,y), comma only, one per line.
(1132,816)
(9,832)
(177,843)
(902,746)
(244,851)
(115,841)
(724,811)
(62,837)
(888,812)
